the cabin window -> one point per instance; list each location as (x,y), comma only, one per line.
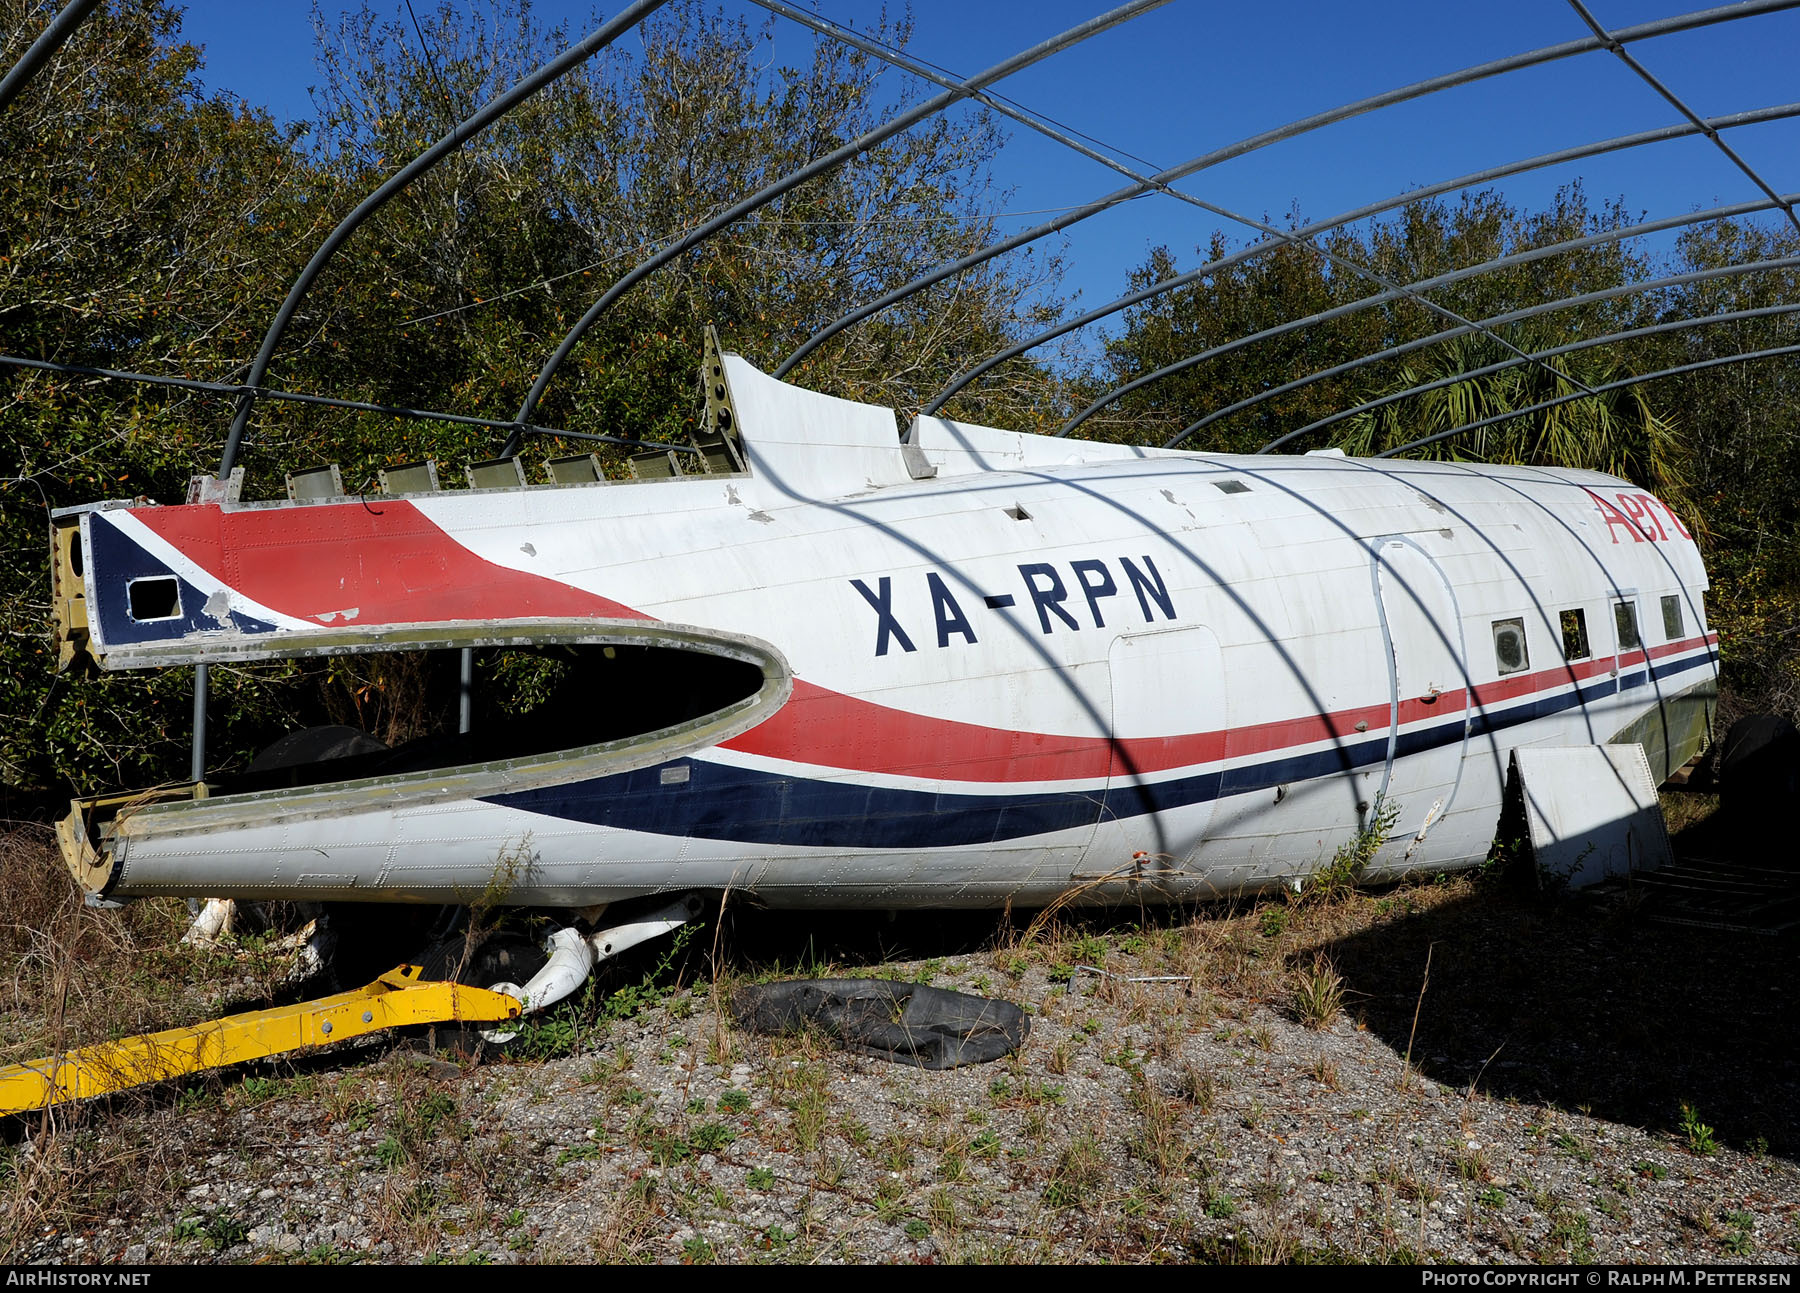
(1509,646)
(1574,635)
(1625,616)
(1672,629)
(155,598)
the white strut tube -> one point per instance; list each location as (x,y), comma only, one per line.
(574,955)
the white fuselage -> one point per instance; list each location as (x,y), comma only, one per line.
(1052,663)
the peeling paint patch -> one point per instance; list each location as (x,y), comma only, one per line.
(347,614)
(528,549)
(218,606)
(762,517)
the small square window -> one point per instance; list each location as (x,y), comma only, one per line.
(1509,646)
(155,598)
(1625,616)
(1231,487)
(1574,634)
(1672,628)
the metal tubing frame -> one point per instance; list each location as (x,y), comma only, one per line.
(1718,361)
(820,166)
(1618,143)
(496,108)
(897,59)
(43,48)
(1511,316)
(1617,47)
(1383,298)
(326,401)
(1587,343)
(1418,89)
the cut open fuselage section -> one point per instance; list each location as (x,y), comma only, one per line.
(301,825)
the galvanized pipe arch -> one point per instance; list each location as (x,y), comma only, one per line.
(1639,379)
(1619,143)
(51,39)
(491,112)
(1448,334)
(1383,298)
(1418,89)
(820,166)
(1586,343)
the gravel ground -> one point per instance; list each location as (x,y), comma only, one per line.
(1193,1120)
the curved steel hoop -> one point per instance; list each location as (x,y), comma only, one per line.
(1716,362)
(831,161)
(491,112)
(1618,143)
(1418,89)
(1384,298)
(1512,316)
(1617,47)
(32,61)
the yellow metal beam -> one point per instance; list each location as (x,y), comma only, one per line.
(396,998)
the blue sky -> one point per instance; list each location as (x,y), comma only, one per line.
(1194,75)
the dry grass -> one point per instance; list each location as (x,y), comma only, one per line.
(1216,1117)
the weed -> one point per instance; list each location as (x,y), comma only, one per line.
(697,1251)
(1273,921)
(1221,1207)
(1079,1171)
(1699,1136)
(1571,1231)
(734,1101)
(1472,1163)
(1345,871)
(712,1137)
(1318,994)
(1655,1171)
(1198,1087)
(1492,1197)
(1573,1147)
(1325,1073)
(760,1178)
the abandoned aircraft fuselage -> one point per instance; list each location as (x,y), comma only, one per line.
(973,668)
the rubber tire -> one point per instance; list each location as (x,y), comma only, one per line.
(501,958)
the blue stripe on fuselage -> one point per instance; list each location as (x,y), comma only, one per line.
(723,802)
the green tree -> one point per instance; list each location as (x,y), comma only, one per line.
(146,225)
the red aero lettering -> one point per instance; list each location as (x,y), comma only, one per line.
(1644,513)
(1614,517)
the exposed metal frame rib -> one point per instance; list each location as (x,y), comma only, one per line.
(1617,47)
(897,59)
(1718,361)
(496,108)
(820,166)
(1587,343)
(1418,89)
(1618,143)
(1384,298)
(32,60)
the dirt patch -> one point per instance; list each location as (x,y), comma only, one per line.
(1582,1086)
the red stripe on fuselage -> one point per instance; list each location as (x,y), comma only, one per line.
(831,730)
(381,562)
(391,565)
